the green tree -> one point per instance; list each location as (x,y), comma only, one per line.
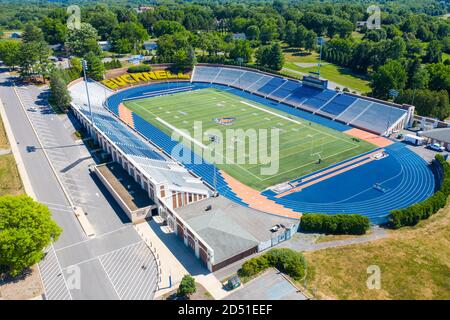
(55,31)
(32,33)
(392,75)
(427,102)
(95,67)
(127,36)
(167,27)
(184,59)
(81,41)
(270,56)
(33,59)
(252,32)
(26,228)
(310,41)
(439,76)
(277,57)
(187,287)
(241,49)
(9,52)
(103,20)
(59,94)
(434,52)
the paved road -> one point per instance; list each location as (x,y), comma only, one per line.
(271,285)
(76,267)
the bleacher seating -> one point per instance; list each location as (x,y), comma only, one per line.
(271,86)
(285,90)
(379,117)
(354,110)
(248,78)
(228,76)
(205,74)
(338,106)
(318,100)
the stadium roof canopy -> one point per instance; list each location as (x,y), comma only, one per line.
(156,165)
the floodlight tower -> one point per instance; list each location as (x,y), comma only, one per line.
(239,60)
(84,65)
(320,42)
(393,94)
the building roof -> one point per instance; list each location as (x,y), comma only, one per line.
(229,228)
(151,162)
(441,134)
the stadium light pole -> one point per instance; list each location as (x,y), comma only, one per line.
(84,65)
(239,60)
(320,42)
(214,139)
(393,94)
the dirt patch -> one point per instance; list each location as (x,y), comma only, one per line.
(200,294)
(26,286)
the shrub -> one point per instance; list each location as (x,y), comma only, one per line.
(412,215)
(113,64)
(139,68)
(335,224)
(187,286)
(286,260)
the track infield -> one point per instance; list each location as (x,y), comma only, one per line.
(196,116)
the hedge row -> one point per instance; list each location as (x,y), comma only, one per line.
(113,64)
(139,68)
(335,224)
(286,260)
(412,215)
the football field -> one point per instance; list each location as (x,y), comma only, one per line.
(247,153)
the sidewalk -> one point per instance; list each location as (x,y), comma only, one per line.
(175,260)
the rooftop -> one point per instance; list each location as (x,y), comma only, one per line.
(128,190)
(159,167)
(441,134)
(229,228)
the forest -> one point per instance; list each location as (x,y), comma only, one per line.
(410,52)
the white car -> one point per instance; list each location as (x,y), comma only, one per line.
(436,147)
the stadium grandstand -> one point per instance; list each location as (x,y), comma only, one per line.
(193,195)
(369,114)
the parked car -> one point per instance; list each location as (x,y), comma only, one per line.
(436,147)
(233,283)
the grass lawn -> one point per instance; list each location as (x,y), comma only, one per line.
(3,138)
(414,263)
(300,141)
(10,182)
(342,76)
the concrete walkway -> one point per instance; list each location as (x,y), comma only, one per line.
(307,242)
(175,260)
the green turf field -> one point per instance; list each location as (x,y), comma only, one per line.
(301,143)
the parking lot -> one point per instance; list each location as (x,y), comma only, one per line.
(271,285)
